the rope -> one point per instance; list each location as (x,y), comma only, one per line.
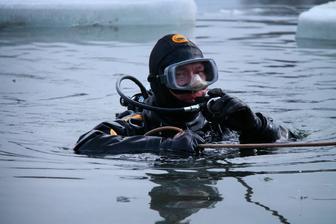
(269,145)
(247,146)
(164,128)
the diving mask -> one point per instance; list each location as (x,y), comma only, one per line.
(190,75)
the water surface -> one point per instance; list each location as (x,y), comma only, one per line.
(57,84)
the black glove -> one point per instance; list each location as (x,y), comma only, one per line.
(183,142)
(230,112)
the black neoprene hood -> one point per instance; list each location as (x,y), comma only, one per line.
(170,49)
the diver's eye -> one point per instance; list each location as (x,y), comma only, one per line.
(198,68)
(182,78)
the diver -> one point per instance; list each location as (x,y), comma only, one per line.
(179,77)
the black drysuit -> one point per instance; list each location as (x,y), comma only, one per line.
(126,133)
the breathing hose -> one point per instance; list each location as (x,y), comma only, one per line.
(192,108)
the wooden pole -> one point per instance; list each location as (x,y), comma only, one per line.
(269,145)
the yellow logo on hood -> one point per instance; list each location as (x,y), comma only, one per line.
(179,39)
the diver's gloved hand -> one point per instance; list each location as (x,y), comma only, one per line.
(268,131)
(183,142)
(231,112)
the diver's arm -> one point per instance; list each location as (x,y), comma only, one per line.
(104,139)
(115,138)
(97,142)
(253,127)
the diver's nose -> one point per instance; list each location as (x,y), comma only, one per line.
(197,82)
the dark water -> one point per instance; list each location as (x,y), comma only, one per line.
(57,84)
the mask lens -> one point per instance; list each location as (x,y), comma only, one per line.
(187,74)
(190,75)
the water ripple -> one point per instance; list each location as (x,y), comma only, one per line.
(65,97)
(50,177)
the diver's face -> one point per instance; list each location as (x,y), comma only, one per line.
(190,74)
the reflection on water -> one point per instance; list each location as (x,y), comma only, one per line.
(180,194)
(249,196)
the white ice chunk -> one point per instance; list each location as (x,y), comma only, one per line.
(68,13)
(318,22)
